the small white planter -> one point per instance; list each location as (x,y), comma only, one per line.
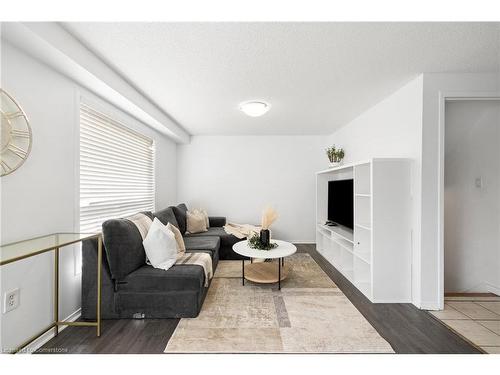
(335,164)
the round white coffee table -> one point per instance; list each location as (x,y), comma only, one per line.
(266,272)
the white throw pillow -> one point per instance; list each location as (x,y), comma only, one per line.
(160,246)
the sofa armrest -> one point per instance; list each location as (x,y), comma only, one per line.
(217,221)
(89,282)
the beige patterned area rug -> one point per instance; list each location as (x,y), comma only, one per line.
(309,315)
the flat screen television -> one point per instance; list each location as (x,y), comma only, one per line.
(341,202)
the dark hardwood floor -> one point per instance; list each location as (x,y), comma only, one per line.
(406,328)
(124,336)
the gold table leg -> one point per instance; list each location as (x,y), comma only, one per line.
(56,323)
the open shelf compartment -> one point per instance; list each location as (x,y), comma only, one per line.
(331,250)
(362,179)
(363,212)
(362,276)
(347,263)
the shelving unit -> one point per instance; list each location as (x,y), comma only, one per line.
(375,256)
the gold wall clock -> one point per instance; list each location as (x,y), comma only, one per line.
(16,135)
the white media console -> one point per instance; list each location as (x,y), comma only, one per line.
(376,255)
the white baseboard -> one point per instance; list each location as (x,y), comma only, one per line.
(493,289)
(42,340)
(482,287)
(429,305)
(391,301)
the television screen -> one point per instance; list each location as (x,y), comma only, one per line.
(341,202)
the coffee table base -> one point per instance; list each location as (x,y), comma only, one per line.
(265,273)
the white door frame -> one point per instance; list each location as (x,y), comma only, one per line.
(443,98)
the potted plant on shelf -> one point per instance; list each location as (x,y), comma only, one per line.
(335,155)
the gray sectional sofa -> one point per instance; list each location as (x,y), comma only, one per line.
(131,288)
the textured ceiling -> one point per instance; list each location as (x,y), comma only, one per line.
(316,76)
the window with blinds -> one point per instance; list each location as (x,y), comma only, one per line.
(116,170)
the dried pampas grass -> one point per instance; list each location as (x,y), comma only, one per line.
(269,216)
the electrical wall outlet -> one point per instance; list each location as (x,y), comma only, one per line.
(11,300)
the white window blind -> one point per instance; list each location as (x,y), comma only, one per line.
(116,170)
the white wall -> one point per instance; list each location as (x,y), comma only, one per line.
(392,128)
(435,86)
(237,176)
(472,214)
(406,124)
(42,196)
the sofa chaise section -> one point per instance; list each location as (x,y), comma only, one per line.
(226,241)
(216,229)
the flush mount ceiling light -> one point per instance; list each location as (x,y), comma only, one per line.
(254,108)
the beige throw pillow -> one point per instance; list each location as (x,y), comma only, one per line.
(181,247)
(205,215)
(196,222)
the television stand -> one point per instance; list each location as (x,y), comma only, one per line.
(375,255)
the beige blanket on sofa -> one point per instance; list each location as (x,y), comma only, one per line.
(241,230)
(200,259)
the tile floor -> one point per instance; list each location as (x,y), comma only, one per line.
(475,318)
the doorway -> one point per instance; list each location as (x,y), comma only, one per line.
(472,221)
(472,197)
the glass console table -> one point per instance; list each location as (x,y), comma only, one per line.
(53,242)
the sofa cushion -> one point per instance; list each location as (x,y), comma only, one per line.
(202,243)
(211,232)
(180,213)
(123,246)
(166,216)
(177,278)
(209,245)
(226,242)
